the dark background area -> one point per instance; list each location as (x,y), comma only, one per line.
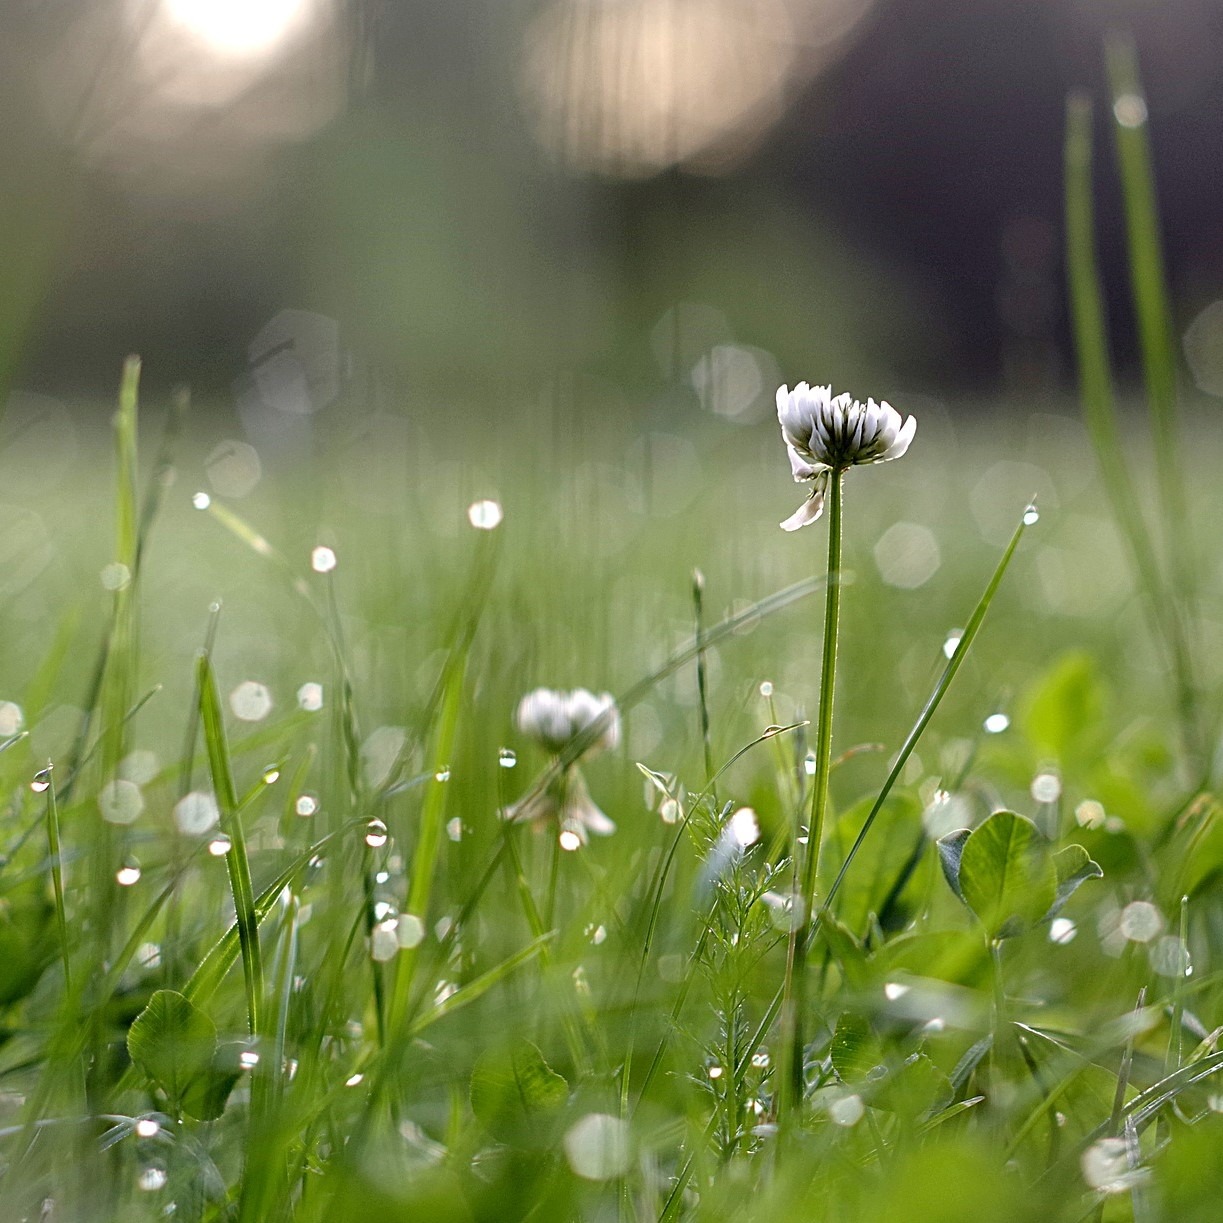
(898,217)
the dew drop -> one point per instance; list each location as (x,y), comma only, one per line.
(847,1111)
(442,774)
(766,689)
(125,876)
(310,697)
(454,829)
(120,801)
(146,1127)
(384,941)
(115,576)
(506,758)
(715,1072)
(201,501)
(485,515)
(42,781)
(250,701)
(410,930)
(306,804)
(219,846)
(322,560)
(152,1179)
(1062,931)
(1130,110)
(376,834)
(569,840)
(1046,787)
(996,723)
(809,764)
(12,719)
(1031,516)
(953,642)
(271,776)
(248,1059)
(1141,921)
(354,1079)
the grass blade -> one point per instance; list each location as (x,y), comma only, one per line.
(236,859)
(935,699)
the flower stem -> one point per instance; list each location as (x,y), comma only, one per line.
(790,1087)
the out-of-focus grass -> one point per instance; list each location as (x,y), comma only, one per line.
(365,1091)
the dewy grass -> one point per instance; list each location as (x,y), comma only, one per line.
(456,1020)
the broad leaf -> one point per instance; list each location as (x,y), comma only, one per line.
(1006,874)
(173,1042)
(855,1048)
(1074,867)
(516,1095)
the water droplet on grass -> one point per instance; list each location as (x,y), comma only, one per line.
(310,697)
(766,689)
(953,642)
(506,758)
(42,781)
(1141,921)
(569,840)
(271,776)
(250,701)
(115,576)
(1046,787)
(996,723)
(152,1179)
(1031,516)
(454,829)
(219,846)
(201,501)
(306,804)
(442,774)
(322,560)
(146,1127)
(847,1111)
(1062,931)
(410,930)
(248,1059)
(1130,110)
(375,834)
(125,876)
(120,802)
(485,515)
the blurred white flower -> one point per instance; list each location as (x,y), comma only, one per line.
(824,434)
(553,719)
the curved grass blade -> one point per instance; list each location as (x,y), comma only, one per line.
(935,699)
(236,859)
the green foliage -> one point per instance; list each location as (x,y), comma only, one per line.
(175,1045)
(517,1097)
(1006,873)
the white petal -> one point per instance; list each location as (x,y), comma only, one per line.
(810,509)
(801,467)
(901,444)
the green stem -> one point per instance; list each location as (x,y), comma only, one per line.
(793,989)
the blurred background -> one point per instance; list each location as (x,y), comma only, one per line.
(296,205)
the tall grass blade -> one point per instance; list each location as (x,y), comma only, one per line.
(236,859)
(933,701)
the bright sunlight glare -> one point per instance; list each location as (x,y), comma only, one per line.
(239,27)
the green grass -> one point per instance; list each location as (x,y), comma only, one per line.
(357,992)
(451,1079)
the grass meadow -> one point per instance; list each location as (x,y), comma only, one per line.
(273,947)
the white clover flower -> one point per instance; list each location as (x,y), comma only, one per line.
(824,435)
(553,719)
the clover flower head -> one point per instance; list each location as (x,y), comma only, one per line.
(553,719)
(824,434)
